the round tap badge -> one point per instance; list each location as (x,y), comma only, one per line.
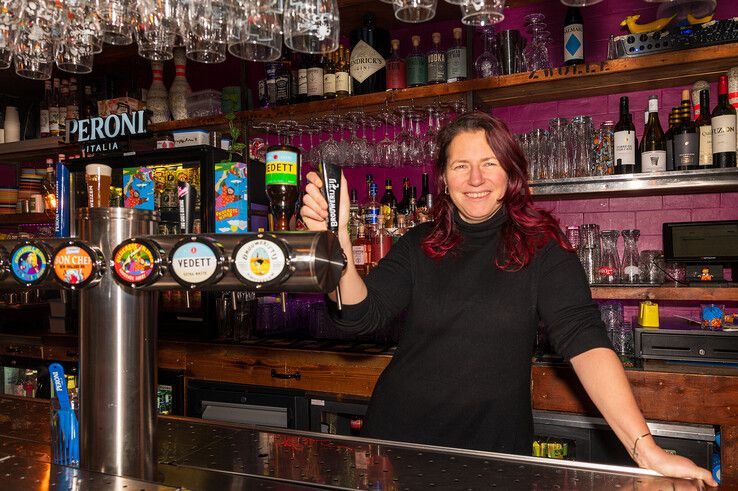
(75,265)
(135,263)
(260,261)
(29,263)
(195,262)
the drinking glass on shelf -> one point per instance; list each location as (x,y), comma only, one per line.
(487,64)
(581,146)
(539,156)
(589,250)
(609,270)
(675,274)
(414,11)
(535,53)
(631,269)
(482,12)
(311,26)
(559,147)
(652,266)
(572,235)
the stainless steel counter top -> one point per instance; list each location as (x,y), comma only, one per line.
(203,456)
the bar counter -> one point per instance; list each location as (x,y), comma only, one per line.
(201,456)
(673,393)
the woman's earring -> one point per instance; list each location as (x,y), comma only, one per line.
(446,190)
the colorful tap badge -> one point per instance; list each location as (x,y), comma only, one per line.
(75,265)
(3,262)
(135,263)
(281,168)
(138,188)
(260,261)
(29,264)
(231,198)
(194,262)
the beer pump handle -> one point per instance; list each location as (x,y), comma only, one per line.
(330,174)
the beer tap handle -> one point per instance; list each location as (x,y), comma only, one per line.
(283,299)
(187,298)
(234,304)
(331,176)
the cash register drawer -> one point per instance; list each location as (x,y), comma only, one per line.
(686,345)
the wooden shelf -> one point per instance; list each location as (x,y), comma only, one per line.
(12,153)
(652,183)
(26,219)
(613,76)
(711,294)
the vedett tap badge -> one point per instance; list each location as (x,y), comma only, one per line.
(73,265)
(281,168)
(260,261)
(133,263)
(29,263)
(194,263)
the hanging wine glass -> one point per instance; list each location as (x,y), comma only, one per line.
(414,11)
(311,26)
(482,12)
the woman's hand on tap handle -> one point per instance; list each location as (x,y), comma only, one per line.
(314,209)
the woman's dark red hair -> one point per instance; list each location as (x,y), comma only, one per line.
(527,228)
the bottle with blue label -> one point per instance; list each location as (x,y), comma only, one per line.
(371,210)
(573,37)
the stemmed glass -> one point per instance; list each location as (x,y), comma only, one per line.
(535,54)
(404,140)
(373,123)
(431,135)
(313,155)
(487,64)
(387,154)
(329,149)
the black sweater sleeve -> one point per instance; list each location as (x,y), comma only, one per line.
(565,304)
(389,288)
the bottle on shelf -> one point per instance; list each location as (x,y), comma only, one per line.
(669,137)
(299,63)
(361,249)
(686,139)
(370,47)
(283,85)
(372,210)
(89,106)
(381,242)
(423,199)
(698,86)
(411,218)
(388,203)
(704,129)
(157,98)
(54,109)
(723,119)
(354,215)
(456,68)
(625,142)
(402,205)
(417,65)
(43,114)
(329,77)
(293,66)
(315,79)
(653,145)
(573,37)
(436,61)
(73,100)
(63,101)
(180,88)
(271,70)
(343,75)
(396,70)
(48,186)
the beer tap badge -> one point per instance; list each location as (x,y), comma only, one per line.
(73,265)
(231,197)
(260,261)
(133,262)
(194,263)
(28,263)
(138,188)
(281,168)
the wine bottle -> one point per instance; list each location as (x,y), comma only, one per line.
(456,60)
(573,37)
(388,203)
(669,136)
(329,77)
(43,116)
(343,77)
(686,140)
(653,155)
(283,69)
(302,77)
(723,129)
(625,141)
(436,61)
(315,79)
(370,46)
(396,76)
(417,65)
(704,125)
(54,109)
(424,192)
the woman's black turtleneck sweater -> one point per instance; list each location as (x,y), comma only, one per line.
(461,374)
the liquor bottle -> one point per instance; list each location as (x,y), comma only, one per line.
(354,216)
(381,242)
(157,99)
(89,106)
(343,77)
(402,205)
(411,218)
(417,65)
(686,141)
(73,100)
(329,77)
(669,137)
(370,46)
(361,249)
(283,69)
(43,115)
(315,79)
(54,109)
(63,107)
(436,61)
(271,70)
(389,203)
(300,62)
(573,37)
(294,65)
(48,186)
(723,129)
(424,192)
(704,126)
(180,88)
(456,59)
(698,87)
(653,153)
(625,141)
(371,210)
(396,71)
